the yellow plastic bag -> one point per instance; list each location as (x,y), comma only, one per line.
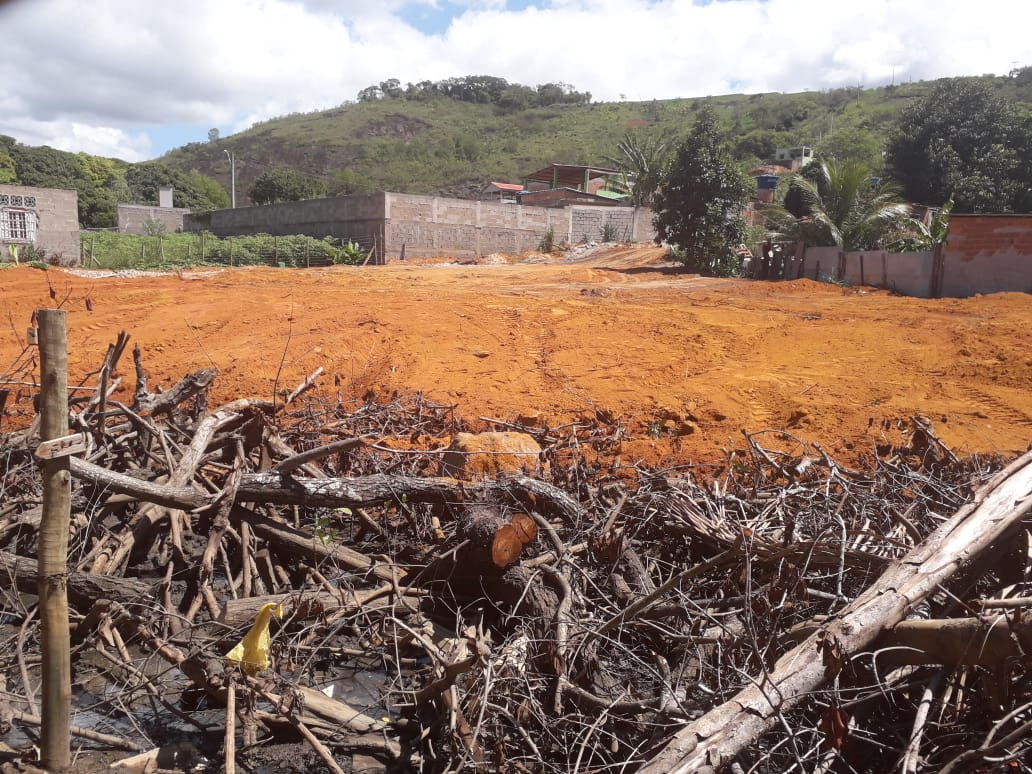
(252,652)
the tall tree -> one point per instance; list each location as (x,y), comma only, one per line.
(7,170)
(700,200)
(841,205)
(961,140)
(285,185)
(192,190)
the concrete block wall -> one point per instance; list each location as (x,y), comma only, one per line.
(987,254)
(57,219)
(133,218)
(910,273)
(821,263)
(360,218)
(633,224)
(426,225)
(432,225)
(907,273)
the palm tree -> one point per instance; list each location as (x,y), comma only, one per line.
(842,205)
(643,157)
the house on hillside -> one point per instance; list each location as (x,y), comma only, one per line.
(794,158)
(44,218)
(501,192)
(560,185)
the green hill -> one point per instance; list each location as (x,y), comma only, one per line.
(447,146)
(450,138)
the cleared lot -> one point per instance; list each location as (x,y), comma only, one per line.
(684,362)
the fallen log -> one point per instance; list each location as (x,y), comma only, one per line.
(182,497)
(987,641)
(309,548)
(84,588)
(376,489)
(309,605)
(713,740)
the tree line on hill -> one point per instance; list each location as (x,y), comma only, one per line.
(103,183)
(483,89)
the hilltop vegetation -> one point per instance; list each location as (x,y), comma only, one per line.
(450,137)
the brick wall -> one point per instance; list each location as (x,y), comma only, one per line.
(133,218)
(57,219)
(987,254)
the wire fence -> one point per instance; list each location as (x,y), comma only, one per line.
(103,249)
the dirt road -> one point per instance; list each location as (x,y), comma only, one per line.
(685,362)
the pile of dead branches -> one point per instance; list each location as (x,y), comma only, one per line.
(776,612)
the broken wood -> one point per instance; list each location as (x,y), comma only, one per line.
(713,740)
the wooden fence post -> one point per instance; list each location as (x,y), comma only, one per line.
(53,544)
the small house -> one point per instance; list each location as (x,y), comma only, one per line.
(794,158)
(44,218)
(559,185)
(507,193)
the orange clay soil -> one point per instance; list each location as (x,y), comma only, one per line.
(685,363)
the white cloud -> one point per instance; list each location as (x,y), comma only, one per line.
(94,76)
(77,137)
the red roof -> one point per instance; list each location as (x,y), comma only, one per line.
(507,186)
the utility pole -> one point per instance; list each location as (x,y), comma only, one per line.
(232,176)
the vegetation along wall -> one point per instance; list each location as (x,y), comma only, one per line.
(358,218)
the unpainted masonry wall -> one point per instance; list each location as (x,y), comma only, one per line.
(360,218)
(57,212)
(987,254)
(428,225)
(434,225)
(906,273)
(133,218)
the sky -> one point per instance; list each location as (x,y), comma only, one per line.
(133,79)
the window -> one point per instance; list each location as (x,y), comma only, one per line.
(14,200)
(17,225)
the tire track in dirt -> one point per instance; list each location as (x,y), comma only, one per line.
(994,408)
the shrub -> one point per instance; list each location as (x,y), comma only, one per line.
(547,244)
(350,253)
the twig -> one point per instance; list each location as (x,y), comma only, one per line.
(911,756)
(229,747)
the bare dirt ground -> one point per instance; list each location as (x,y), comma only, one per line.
(685,363)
